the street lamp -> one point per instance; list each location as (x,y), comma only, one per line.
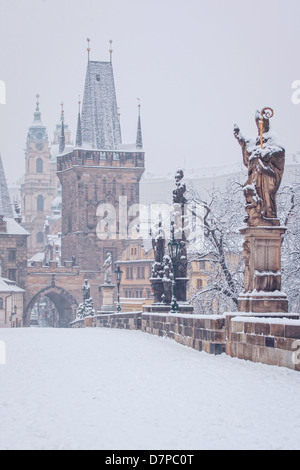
(174,247)
(118,273)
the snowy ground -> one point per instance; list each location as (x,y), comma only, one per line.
(115,389)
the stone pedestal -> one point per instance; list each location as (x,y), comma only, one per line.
(108,298)
(163,296)
(262,280)
(157,288)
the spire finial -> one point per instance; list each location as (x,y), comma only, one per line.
(139,105)
(139,137)
(62,140)
(62,111)
(79,103)
(37,102)
(110,50)
(79,131)
(89,48)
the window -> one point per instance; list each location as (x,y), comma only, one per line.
(199,284)
(201,265)
(40,203)
(133,251)
(12,275)
(39,165)
(1,304)
(12,255)
(129,273)
(40,237)
(140,272)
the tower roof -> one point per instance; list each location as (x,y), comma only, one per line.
(100,121)
(37,131)
(5,203)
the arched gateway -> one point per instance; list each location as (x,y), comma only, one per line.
(64,302)
(62,285)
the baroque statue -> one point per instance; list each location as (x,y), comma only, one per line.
(108,269)
(86,291)
(264,158)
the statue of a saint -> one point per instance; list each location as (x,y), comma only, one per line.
(108,269)
(86,291)
(265,160)
(180,190)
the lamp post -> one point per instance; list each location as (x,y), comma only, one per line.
(118,273)
(174,246)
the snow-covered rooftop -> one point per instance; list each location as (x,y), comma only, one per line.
(9,286)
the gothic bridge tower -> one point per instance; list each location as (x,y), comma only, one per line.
(99,173)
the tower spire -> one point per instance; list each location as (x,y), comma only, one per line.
(110,51)
(79,132)
(62,140)
(89,48)
(139,137)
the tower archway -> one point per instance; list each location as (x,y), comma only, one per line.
(64,302)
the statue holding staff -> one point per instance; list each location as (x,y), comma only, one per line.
(264,158)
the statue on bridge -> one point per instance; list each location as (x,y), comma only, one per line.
(86,290)
(264,158)
(108,269)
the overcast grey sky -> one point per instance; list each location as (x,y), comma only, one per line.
(198,67)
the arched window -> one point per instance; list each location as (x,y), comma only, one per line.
(40,237)
(1,304)
(40,203)
(39,165)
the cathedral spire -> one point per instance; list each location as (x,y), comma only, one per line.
(139,137)
(62,140)
(79,132)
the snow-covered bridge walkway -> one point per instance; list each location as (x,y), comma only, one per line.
(116,389)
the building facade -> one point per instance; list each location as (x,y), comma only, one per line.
(13,238)
(11,304)
(136,265)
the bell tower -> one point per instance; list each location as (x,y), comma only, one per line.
(38,190)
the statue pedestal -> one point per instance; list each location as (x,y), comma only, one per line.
(108,298)
(157,288)
(262,280)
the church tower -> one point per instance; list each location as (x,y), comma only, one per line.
(39,188)
(100,177)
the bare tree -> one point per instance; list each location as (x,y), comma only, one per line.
(222,249)
(289,209)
